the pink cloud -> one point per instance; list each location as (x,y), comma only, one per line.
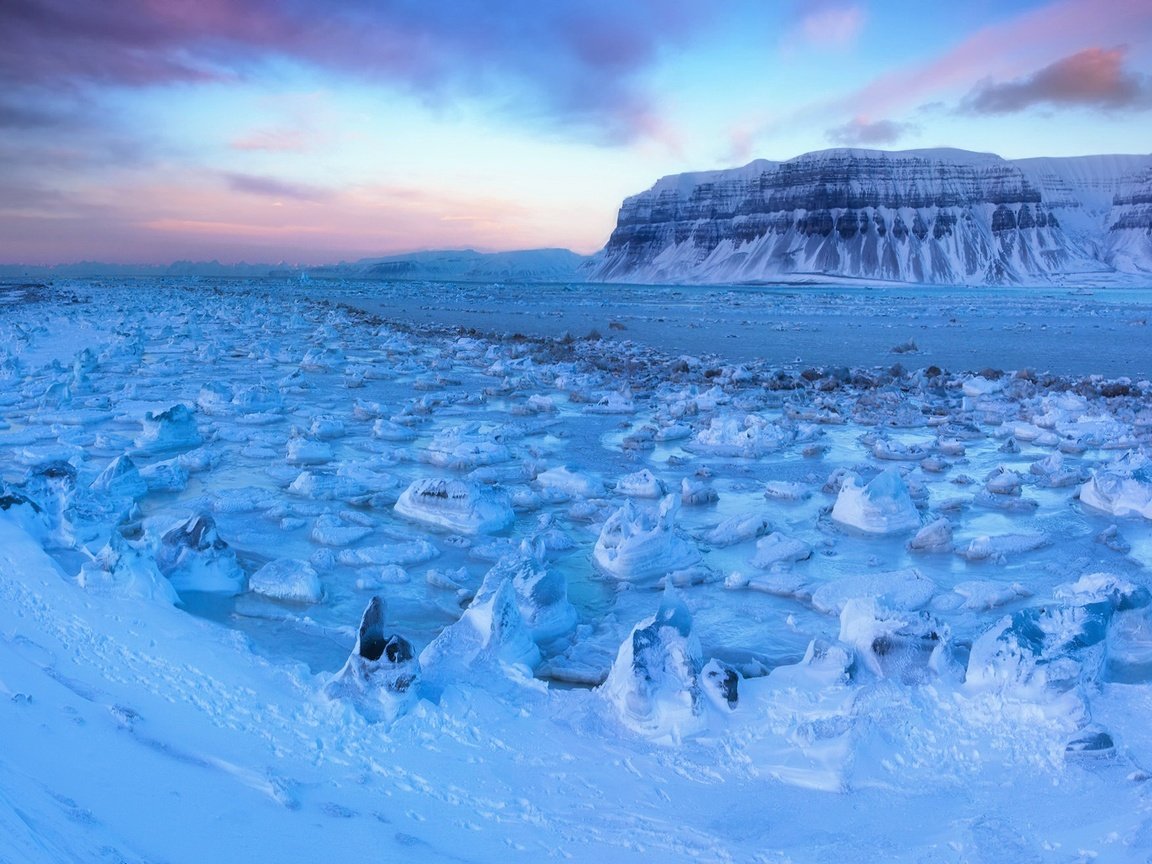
(276,140)
(1012,48)
(832,26)
(1094,78)
(567,61)
(173,217)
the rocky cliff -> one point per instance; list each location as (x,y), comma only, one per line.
(926,216)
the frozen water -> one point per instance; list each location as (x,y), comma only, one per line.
(948,572)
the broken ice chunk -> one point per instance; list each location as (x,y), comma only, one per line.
(936,536)
(883,506)
(654,686)
(457,505)
(541,593)
(642,484)
(168,431)
(195,558)
(776,550)
(379,675)
(896,589)
(489,645)
(288,579)
(1121,488)
(639,545)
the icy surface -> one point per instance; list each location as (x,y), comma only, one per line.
(226,619)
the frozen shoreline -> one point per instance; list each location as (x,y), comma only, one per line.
(887,586)
(1062,330)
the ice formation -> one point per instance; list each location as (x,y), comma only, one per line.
(287,579)
(168,431)
(644,546)
(246,711)
(881,506)
(541,593)
(489,644)
(1121,488)
(456,505)
(195,558)
(379,676)
(655,683)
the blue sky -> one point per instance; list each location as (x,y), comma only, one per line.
(156,130)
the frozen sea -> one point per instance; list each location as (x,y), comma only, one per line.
(798,573)
(1066,330)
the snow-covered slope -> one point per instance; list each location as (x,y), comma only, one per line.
(936,216)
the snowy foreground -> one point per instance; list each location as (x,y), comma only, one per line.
(282,582)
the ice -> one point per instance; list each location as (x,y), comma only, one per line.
(654,687)
(806,736)
(571,483)
(776,550)
(490,645)
(698,490)
(288,579)
(981,594)
(120,479)
(1128,650)
(881,506)
(456,505)
(1121,488)
(898,590)
(784,490)
(641,484)
(168,431)
(165,476)
(195,558)
(379,676)
(749,436)
(405,554)
(246,711)
(998,547)
(303,450)
(541,593)
(643,546)
(738,528)
(122,569)
(936,536)
(465,447)
(902,646)
(330,530)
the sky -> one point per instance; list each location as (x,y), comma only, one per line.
(305,131)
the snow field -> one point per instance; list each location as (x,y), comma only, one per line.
(642,593)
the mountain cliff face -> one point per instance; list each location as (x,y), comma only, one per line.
(926,216)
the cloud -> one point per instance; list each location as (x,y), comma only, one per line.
(270,187)
(1008,49)
(568,62)
(859,130)
(1094,78)
(276,140)
(830,25)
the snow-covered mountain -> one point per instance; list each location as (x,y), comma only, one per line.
(929,216)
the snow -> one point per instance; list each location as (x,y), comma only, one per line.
(227,655)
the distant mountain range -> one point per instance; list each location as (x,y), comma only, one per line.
(943,216)
(925,216)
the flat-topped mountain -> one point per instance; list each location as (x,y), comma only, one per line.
(928,216)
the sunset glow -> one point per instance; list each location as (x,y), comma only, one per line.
(149,131)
